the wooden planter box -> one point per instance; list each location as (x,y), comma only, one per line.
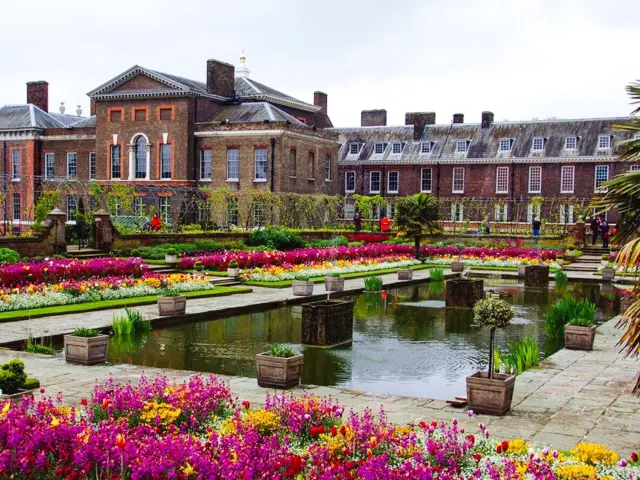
(276,372)
(457,267)
(579,338)
(463,292)
(490,396)
(18,395)
(405,274)
(233,272)
(334,284)
(171,259)
(572,253)
(327,323)
(172,305)
(608,273)
(536,275)
(302,288)
(86,351)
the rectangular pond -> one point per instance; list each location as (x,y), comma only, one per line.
(405,342)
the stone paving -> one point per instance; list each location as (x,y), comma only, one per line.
(572,397)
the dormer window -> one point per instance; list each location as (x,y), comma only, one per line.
(570,143)
(354,148)
(426,147)
(604,142)
(505,144)
(379,148)
(538,144)
(462,146)
(396,148)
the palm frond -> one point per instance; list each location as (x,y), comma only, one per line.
(623,195)
(633,90)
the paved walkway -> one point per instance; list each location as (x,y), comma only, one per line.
(573,397)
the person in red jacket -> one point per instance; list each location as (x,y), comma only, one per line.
(156,223)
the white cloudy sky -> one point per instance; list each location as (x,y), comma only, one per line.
(517,58)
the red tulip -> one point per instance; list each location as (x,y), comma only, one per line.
(634,457)
(83,402)
(422,424)
(246,404)
(343,430)
(105,403)
(120,441)
(334,431)
(369,453)
(498,449)
(471,438)
(505,446)
(42,390)
(477,457)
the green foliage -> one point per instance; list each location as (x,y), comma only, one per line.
(565,310)
(31,383)
(9,256)
(368,204)
(191,228)
(436,274)
(12,376)
(32,346)
(373,284)
(132,322)
(416,215)
(582,322)
(605,256)
(281,351)
(233,264)
(278,238)
(522,355)
(561,278)
(122,325)
(492,313)
(332,275)
(199,266)
(46,202)
(86,332)
(171,251)
(339,241)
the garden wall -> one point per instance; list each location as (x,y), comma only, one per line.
(49,242)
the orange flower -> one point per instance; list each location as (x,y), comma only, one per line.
(120,441)
(373,441)
(369,453)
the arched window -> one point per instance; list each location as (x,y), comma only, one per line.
(140,155)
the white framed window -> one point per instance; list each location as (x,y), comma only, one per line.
(533,211)
(349,210)
(393,182)
(426,147)
(165,161)
(138,206)
(535,179)
(379,148)
(72,165)
(374,182)
(259,213)
(502,180)
(115,161)
(458,180)
(49,165)
(538,144)
(601,176)
(72,207)
(140,167)
(15,164)
(349,182)
(505,144)
(396,148)
(500,212)
(327,168)
(17,210)
(570,143)
(165,209)
(457,212)
(92,166)
(565,213)
(233,165)
(426,180)
(205,164)
(461,146)
(635,168)
(260,168)
(567,179)
(604,142)
(354,148)
(391,211)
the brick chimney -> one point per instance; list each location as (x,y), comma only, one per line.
(458,118)
(373,118)
(419,120)
(320,100)
(38,94)
(220,78)
(487,119)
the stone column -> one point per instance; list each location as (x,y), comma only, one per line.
(536,275)
(103,237)
(59,221)
(463,292)
(327,323)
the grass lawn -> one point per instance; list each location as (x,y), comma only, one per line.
(104,304)
(155,262)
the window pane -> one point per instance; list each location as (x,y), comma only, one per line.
(505,144)
(72,165)
(165,160)
(327,167)
(604,141)
(72,207)
(461,146)
(115,161)
(165,114)
(350,181)
(261,164)
(15,164)
(602,175)
(115,116)
(141,157)
(570,143)
(233,159)
(425,147)
(567,179)
(379,148)
(425,185)
(17,210)
(49,165)
(205,164)
(535,179)
(374,186)
(140,115)
(392,187)
(538,143)
(502,180)
(458,180)
(165,209)
(354,148)
(397,148)
(92,165)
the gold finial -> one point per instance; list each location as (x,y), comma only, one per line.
(243,57)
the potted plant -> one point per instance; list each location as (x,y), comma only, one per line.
(302,288)
(86,346)
(489,392)
(333,282)
(199,266)
(571,251)
(579,334)
(171,256)
(233,269)
(172,303)
(373,284)
(604,259)
(405,274)
(12,378)
(457,266)
(279,367)
(560,259)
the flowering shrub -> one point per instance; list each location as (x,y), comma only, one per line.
(200,432)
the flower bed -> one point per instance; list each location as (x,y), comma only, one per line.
(68,292)
(197,430)
(51,271)
(252,259)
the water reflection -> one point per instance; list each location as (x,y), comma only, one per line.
(404,343)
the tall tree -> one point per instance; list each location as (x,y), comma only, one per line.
(416,215)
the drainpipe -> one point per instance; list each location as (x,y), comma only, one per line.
(444,144)
(4,166)
(513,188)
(272,140)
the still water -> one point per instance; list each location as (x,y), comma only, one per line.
(405,344)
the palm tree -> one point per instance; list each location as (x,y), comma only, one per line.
(623,195)
(416,215)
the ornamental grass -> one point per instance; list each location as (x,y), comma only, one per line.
(198,430)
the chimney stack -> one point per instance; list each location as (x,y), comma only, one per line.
(38,94)
(373,118)
(458,118)
(320,100)
(419,120)
(487,119)
(220,78)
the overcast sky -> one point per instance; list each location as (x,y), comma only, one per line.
(517,58)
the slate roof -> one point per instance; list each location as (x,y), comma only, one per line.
(30,117)
(254,112)
(247,88)
(483,144)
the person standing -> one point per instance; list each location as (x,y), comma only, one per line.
(595,226)
(357,221)
(604,228)
(535,225)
